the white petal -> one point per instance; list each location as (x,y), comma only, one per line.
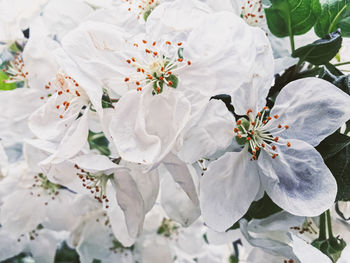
(223,63)
(307,253)
(345,255)
(304,185)
(175,202)
(182,175)
(227,189)
(130,201)
(313,108)
(145,127)
(211,133)
(271,246)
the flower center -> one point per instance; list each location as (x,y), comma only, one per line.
(145,7)
(15,70)
(96,183)
(252,12)
(168,228)
(69,91)
(157,66)
(43,187)
(253,132)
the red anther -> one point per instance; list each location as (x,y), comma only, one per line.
(67,90)
(155,53)
(169,73)
(143,71)
(252,132)
(126,79)
(249,111)
(263,145)
(243,7)
(149,77)
(273,147)
(76,166)
(161,78)
(248,138)
(47,87)
(129,61)
(147,51)
(259,114)
(275,116)
(158,89)
(266,108)
(288,144)
(139,89)
(254,152)
(276,139)
(286,127)
(279,126)
(154,43)
(179,44)
(129,9)
(264,122)
(261,16)
(235,130)
(189,63)
(162,69)
(138,70)
(291,261)
(136,45)
(133,59)
(168,42)
(77,93)
(144,41)
(180,59)
(254,157)
(239,122)
(42,98)
(61,116)
(253,123)
(76,84)
(170,83)
(137,83)
(274,156)
(257,148)
(269,118)
(252,15)
(239,136)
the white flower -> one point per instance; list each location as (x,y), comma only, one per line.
(278,155)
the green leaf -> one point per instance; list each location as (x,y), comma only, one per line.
(333,144)
(106,101)
(292,17)
(5,86)
(339,165)
(321,51)
(335,14)
(341,81)
(99,142)
(146,14)
(331,247)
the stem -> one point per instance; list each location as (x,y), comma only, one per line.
(329,224)
(342,63)
(291,39)
(322,234)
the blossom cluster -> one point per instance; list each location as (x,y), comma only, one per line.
(146,131)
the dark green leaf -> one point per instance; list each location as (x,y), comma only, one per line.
(321,51)
(66,254)
(341,81)
(106,101)
(99,142)
(339,165)
(335,14)
(292,17)
(333,144)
